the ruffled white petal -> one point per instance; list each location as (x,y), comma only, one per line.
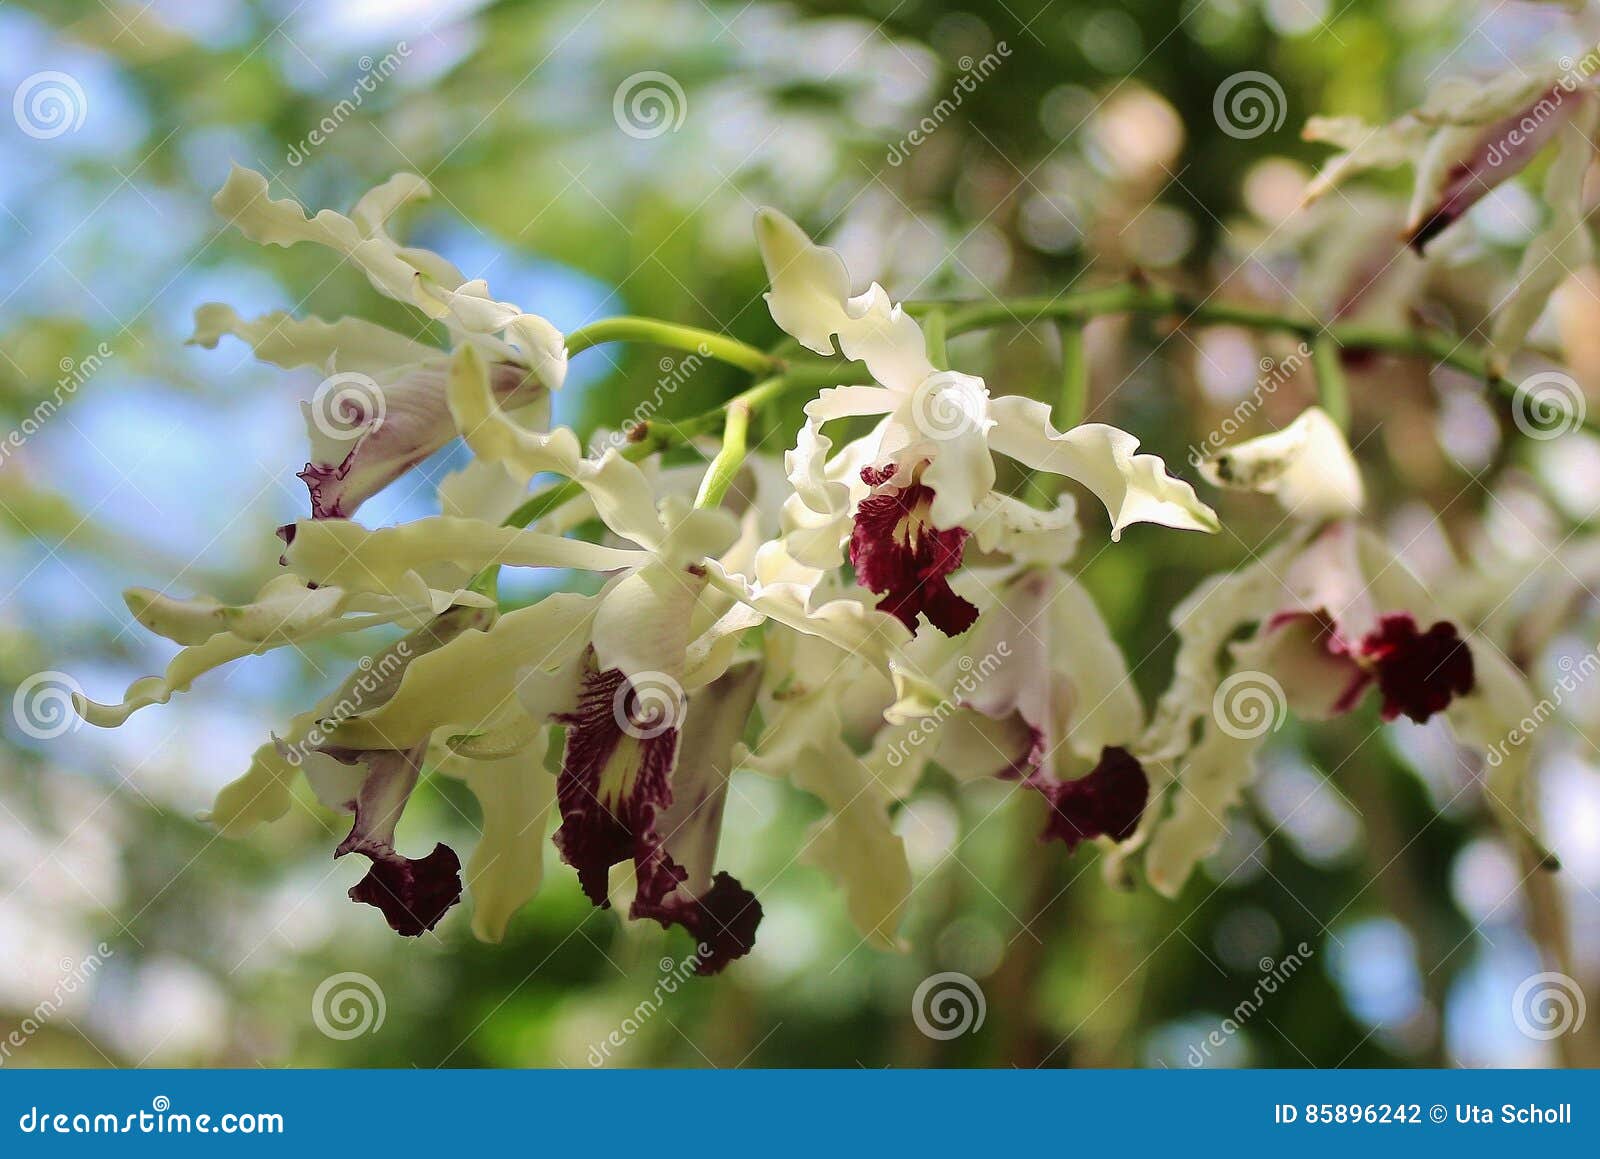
(1135,488)
(347,555)
(810,299)
(516,796)
(492,434)
(347,344)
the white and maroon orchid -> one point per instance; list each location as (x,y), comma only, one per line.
(924,479)
(634,674)
(1040,694)
(1336,614)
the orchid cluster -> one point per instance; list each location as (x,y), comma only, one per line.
(1469,137)
(841,618)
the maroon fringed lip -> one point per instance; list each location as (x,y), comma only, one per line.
(1419,673)
(1106,802)
(899,554)
(607,824)
(397,441)
(722,920)
(608,819)
(413,894)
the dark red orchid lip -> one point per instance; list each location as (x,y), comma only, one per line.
(899,554)
(1419,673)
(413,894)
(607,820)
(1106,802)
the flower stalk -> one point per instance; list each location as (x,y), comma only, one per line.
(1333,391)
(1074,375)
(1132,298)
(719,475)
(707,343)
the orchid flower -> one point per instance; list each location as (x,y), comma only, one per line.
(633,673)
(924,479)
(1336,614)
(381,409)
(1469,137)
(1040,694)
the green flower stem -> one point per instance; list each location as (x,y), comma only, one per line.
(933,332)
(1137,298)
(1074,375)
(719,475)
(706,343)
(1333,392)
(653,437)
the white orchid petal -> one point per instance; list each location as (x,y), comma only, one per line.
(840,402)
(516,796)
(243,201)
(1209,782)
(961,474)
(855,843)
(1135,488)
(1564,245)
(642,627)
(879,333)
(872,636)
(346,344)
(1307,466)
(482,681)
(1204,622)
(1028,534)
(481,490)
(810,299)
(347,555)
(624,498)
(284,606)
(542,346)
(494,436)
(809,283)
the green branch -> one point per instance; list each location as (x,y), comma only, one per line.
(1442,349)
(706,343)
(1333,392)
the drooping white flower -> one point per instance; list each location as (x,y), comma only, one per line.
(1469,137)
(381,409)
(641,675)
(1336,614)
